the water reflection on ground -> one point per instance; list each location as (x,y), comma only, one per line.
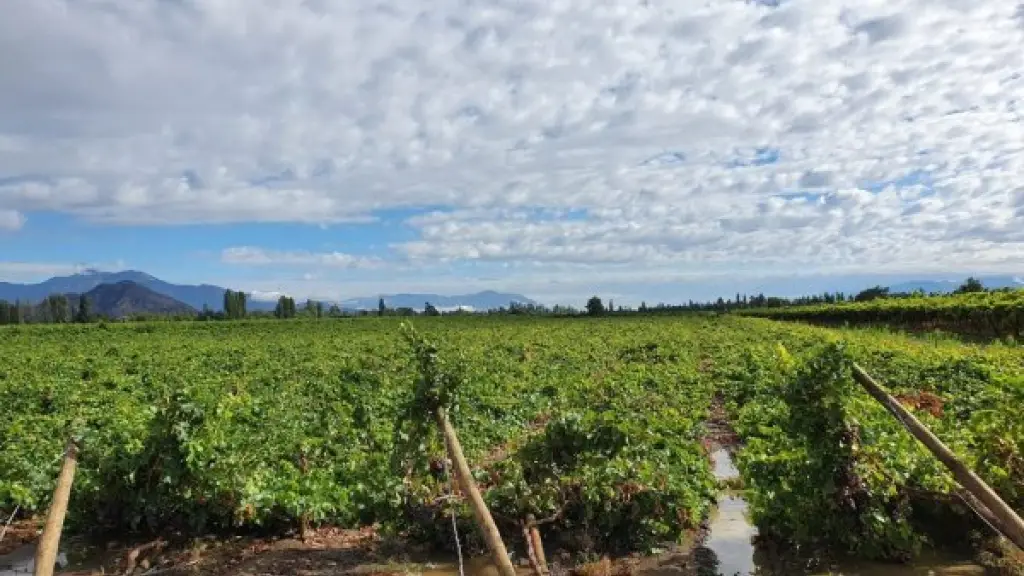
(730,550)
(727,550)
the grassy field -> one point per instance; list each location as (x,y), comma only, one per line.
(596,422)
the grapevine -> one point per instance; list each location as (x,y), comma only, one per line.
(592,426)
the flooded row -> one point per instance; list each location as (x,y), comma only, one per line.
(731,548)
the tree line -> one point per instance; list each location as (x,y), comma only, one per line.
(62,308)
(54,309)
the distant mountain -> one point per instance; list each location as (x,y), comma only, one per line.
(945,286)
(486,300)
(194,296)
(128,298)
(213,296)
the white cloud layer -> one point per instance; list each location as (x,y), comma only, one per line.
(254,256)
(553,132)
(31,271)
(21,271)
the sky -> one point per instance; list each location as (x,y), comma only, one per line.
(640,149)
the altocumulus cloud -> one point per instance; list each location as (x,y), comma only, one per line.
(805,133)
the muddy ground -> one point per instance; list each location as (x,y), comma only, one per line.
(325,552)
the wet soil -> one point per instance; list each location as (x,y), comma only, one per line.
(725,545)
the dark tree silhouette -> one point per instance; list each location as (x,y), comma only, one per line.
(972,284)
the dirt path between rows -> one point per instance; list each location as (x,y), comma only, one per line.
(719,432)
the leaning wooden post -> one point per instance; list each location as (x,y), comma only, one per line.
(49,542)
(1009,522)
(476,501)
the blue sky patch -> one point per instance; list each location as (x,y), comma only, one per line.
(760,157)
(913,178)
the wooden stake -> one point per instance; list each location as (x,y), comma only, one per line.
(49,542)
(537,544)
(1008,520)
(530,552)
(483,516)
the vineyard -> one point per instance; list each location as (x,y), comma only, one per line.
(997,314)
(595,425)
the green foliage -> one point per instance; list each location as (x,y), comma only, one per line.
(436,388)
(614,464)
(826,467)
(993,314)
(805,476)
(625,474)
(11,312)
(205,426)
(285,307)
(84,313)
(871,294)
(234,305)
(972,284)
(594,424)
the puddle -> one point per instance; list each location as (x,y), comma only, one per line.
(730,542)
(729,549)
(23,561)
(723,467)
(730,537)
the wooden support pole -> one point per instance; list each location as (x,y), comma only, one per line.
(537,544)
(483,516)
(530,552)
(49,542)
(1008,520)
(981,510)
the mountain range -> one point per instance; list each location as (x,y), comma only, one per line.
(133,292)
(946,286)
(127,298)
(194,296)
(212,297)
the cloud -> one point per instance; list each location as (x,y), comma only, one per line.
(15,271)
(11,220)
(270,296)
(571,133)
(254,256)
(846,229)
(20,271)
